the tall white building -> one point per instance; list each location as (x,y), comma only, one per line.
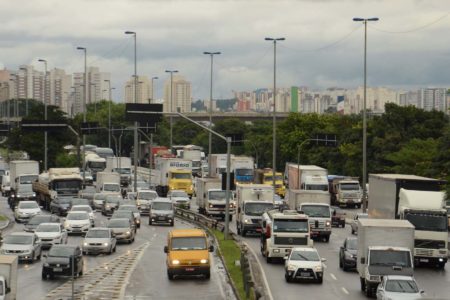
(95,86)
(181,95)
(433,99)
(144,90)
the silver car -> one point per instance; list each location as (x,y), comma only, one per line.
(25,245)
(161,211)
(99,240)
(399,288)
(134,210)
(179,198)
(99,198)
(25,210)
(354,224)
(122,229)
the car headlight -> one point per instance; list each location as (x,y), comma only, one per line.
(203,261)
(318,268)
(26,251)
(328,223)
(85,244)
(107,206)
(46,265)
(175,262)
(247,221)
(105,244)
(291,267)
(128,233)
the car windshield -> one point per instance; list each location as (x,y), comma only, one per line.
(77,216)
(161,205)
(110,187)
(28,205)
(28,179)
(305,256)
(352,244)
(320,211)
(122,170)
(99,196)
(188,243)
(97,234)
(256,209)
(18,239)
(87,209)
(36,220)
(118,223)
(129,208)
(317,187)
(217,195)
(60,251)
(349,186)
(179,194)
(401,286)
(244,172)
(121,214)
(97,164)
(47,228)
(147,195)
(390,258)
(269,178)
(181,175)
(112,200)
(290,225)
(67,185)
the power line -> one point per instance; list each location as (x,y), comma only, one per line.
(256,63)
(413,29)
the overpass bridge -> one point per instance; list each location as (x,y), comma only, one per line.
(244,116)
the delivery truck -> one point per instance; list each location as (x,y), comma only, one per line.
(8,277)
(121,165)
(305,177)
(265,176)
(420,201)
(22,174)
(211,199)
(174,174)
(108,182)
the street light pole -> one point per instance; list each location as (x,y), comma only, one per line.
(274,121)
(153,99)
(84,107)
(364,179)
(45,112)
(171,104)
(109,111)
(135,151)
(211,54)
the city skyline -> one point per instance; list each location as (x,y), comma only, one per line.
(323,46)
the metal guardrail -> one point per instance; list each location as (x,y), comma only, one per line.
(254,286)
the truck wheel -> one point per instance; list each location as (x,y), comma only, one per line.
(169,275)
(326,239)
(268,259)
(244,232)
(368,291)
(287,277)
(230,218)
(363,284)
(44,275)
(320,280)
(238,229)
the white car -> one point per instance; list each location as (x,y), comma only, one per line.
(77,222)
(179,198)
(25,245)
(144,198)
(85,208)
(50,234)
(304,263)
(25,210)
(398,287)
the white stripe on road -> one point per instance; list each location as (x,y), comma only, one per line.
(332,276)
(345,291)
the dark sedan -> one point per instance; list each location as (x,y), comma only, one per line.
(60,206)
(34,222)
(348,253)
(59,261)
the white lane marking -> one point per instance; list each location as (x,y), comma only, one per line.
(332,276)
(155,234)
(345,291)
(266,283)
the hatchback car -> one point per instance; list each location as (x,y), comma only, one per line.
(122,229)
(25,245)
(337,217)
(33,223)
(77,222)
(179,198)
(87,209)
(304,263)
(348,253)
(354,224)
(110,204)
(60,206)
(161,211)
(99,240)
(50,234)
(144,199)
(134,210)
(63,260)
(99,198)
(119,214)
(25,210)
(398,287)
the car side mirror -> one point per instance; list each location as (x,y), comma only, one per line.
(44,255)
(166,249)
(211,248)
(323,259)
(286,257)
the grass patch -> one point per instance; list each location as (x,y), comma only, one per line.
(3,218)
(231,252)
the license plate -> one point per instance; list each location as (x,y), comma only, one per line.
(76,229)
(189,269)
(423,260)
(302,274)
(57,269)
(258,230)
(161,218)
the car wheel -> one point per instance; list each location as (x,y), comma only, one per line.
(39,256)
(320,280)
(208,276)
(172,223)
(150,222)
(80,273)
(44,275)
(114,249)
(287,277)
(268,259)
(169,275)
(353,232)
(343,225)
(341,265)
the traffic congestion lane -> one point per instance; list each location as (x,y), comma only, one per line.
(149,280)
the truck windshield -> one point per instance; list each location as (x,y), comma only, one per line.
(349,187)
(181,175)
(269,178)
(111,187)
(290,225)
(256,209)
(28,179)
(244,172)
(100,165)
(401,286)
(122,170)
(217,195)
(316,187)
(189,243)
(429,222)
(67,185)
(390,258)
(320,211)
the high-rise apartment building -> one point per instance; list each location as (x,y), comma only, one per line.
(144,90)
(95,86)
(433,99)
(181,92)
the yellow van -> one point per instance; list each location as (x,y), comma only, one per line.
(188,253)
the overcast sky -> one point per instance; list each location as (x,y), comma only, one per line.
(409,47)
